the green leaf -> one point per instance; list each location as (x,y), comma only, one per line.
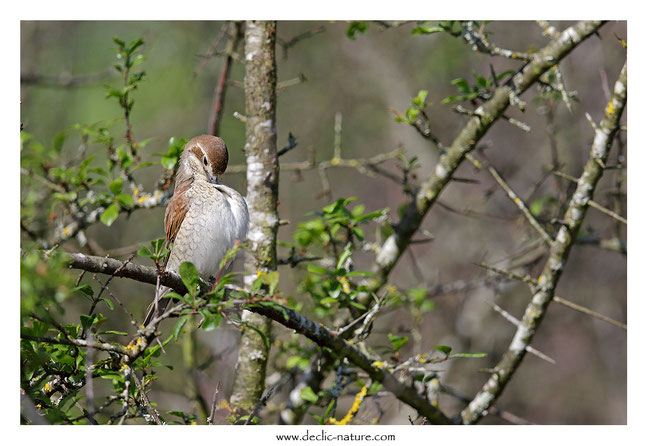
(145,252)
(59,139)
(375,387)
(453,99)
(39,328)
(504,74)
(108,303)
(143,164)
(468,355)
(85,289)
(537,206)
(120,333)
(420,98)
(189,275)
(212,320)
(169,162)
(109,216)
(308,395)
(397,341)
(125,200)
(318,269)
(87,321)
(482,82)
(359,273)
(329,409)
(443,349)
(461,85)
(356,27)
(264,337)
(427,29)
(343,258)
(297,361)
(178,325)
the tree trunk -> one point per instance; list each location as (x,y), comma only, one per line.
(262,179)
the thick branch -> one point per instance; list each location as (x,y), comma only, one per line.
(285,316)
(548,280)
(323,337)
(130,270)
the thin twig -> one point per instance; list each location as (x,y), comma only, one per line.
(149,407)
(520,204)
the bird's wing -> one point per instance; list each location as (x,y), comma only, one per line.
(174,216)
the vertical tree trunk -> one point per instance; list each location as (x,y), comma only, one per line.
(262,179)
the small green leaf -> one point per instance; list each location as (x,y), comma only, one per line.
(178,325)
(115,186)
(212,320)
(308,395)
(145,252)
(468,355)
(537,206)
(120,333)
(125,200)
(59,139)
(264,337)
(87,321)
(108,303)
(169,162)
(356,27)
(420,98)
(297,361)
(318,269)
(85,289)
(189,275)
(397,341)
(443,349)
(109,216)
(343,258)
(375,387)
(427,29)
(461,85)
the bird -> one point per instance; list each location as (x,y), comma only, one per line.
(204,218)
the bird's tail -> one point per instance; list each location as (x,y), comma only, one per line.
(159,304)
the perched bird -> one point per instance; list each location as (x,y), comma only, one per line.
(204,218)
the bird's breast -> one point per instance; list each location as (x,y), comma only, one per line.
(217,217)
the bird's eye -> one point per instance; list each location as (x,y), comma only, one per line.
(205,160)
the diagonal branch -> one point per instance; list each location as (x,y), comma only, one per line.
(548,280)
(467,139)
(520,204)
(323,337)
(284,316)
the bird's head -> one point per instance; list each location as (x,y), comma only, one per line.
(204,156)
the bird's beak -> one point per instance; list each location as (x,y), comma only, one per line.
(213,180)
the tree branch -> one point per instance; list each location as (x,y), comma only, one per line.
(467,139)
(544,292)
(285,316)
(221,85)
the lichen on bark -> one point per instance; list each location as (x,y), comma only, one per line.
(263,180)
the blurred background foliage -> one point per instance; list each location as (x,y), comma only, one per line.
(365,72)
